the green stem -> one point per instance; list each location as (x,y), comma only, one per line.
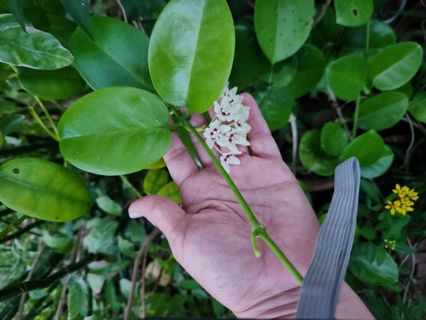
(131,186)
(49,118)
(258,230)
(11,226)
(41,123)
(355,124)
(367,38)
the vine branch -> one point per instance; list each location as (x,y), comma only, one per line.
(138,259)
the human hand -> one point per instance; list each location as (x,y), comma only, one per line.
(210,235)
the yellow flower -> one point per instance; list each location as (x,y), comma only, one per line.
(406,200)
(390,206)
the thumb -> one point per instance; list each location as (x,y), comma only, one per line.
(161,212)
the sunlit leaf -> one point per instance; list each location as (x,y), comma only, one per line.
(191,52)
(115,131)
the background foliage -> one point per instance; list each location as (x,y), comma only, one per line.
(349,82)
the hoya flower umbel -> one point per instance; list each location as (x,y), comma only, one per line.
(229,128)
(215,131)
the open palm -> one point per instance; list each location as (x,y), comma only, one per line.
(210,236)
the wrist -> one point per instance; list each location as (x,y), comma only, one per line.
(280,305)
(350,306)
(283,305)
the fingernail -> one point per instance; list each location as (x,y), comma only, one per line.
(134,214)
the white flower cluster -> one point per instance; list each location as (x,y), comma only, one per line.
(229,127)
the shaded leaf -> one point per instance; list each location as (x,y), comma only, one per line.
(154,180)
(276,106)
(417,107)
(333,138)
(117,55)
(171,191)
(380,166)
(395,65)
(346,76)
(249,61)
(16,7)
(382,111)
(370,271)
(79,11)
(101,238)
(313,157)
(282,26)
(53,84)
(351,13)
(78,297)
(108,205)
(310,67)
(367,148)
(43,190)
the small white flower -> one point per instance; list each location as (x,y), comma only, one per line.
(229,128)
(228,158)
(226,111)
(214,132)
(242,115)
(242,128)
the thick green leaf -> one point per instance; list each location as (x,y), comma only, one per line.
(115,131)
(191,52)
(78,297)
(154,180)
(368,148)
(417,107)
(282,26)
(381,35)
(346,76)
(43,190)
(310,67)
(276,106)
(313,157)
(333,138)
(38,50)
(249,60)
(382,111)
(53,84)
(365,266)
(379,167)
(16,7)
(395,65)
(79,11)
(117,55)
(351,13)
